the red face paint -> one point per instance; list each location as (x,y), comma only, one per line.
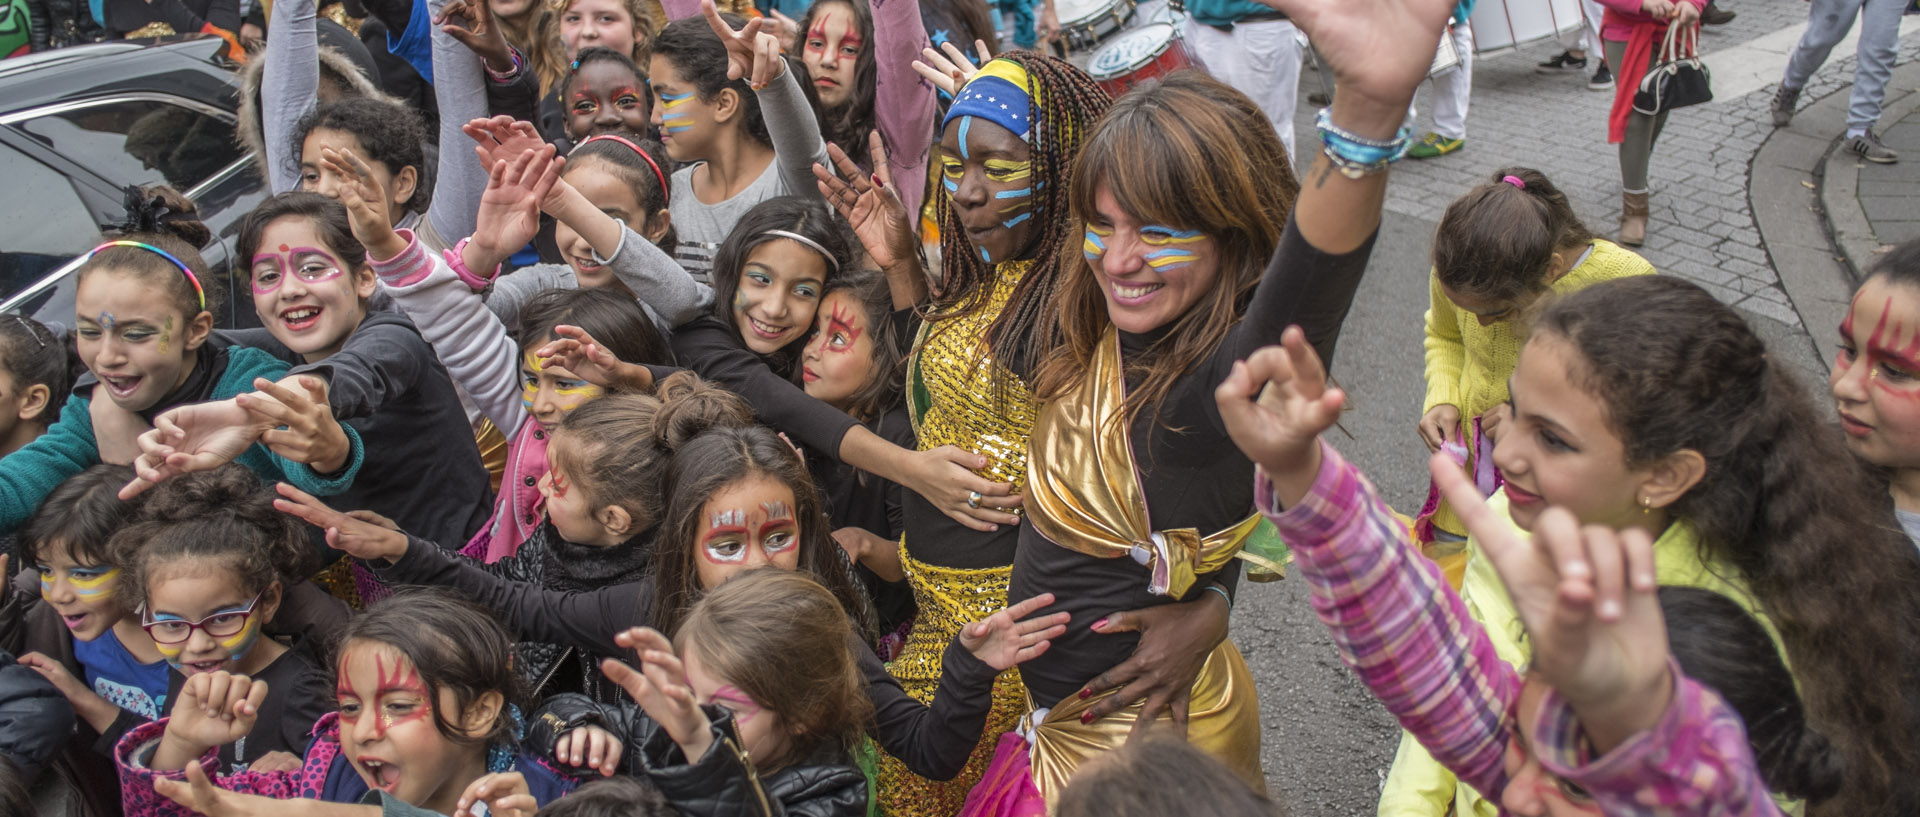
(841,322)
(404,679)
(1886,345)
(817,37)
(560,485)
(743,707)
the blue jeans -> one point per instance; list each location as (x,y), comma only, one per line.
(1828,22)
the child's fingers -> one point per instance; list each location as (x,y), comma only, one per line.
(1465,499)
(256,698)
(626,678)
(980,48)
(1304,361)
(1637,545)
(1030,606)
(1608,563)
(647,638)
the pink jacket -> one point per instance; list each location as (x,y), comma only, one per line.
(1623,15)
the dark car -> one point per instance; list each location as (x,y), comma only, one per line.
(78,125)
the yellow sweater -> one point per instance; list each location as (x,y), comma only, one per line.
(1417,785)
(1468,364)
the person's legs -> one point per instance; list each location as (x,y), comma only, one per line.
(1025,35)
(1593,12)
(1879,39)
(1261,60)
(1828,22)
(1635,150)
(1453,87)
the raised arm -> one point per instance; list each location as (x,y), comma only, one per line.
(904,103)
(289,87)
(459,87)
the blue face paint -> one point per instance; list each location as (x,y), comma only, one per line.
(1009,223)
(951,185)
(1014,194)
(984,256)
(673,121)
(965,122)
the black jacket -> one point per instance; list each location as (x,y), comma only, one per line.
(61,23)
(35,719)
(723,783)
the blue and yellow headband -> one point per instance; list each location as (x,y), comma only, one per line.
(1000,93)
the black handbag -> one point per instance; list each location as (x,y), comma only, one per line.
(1676,81)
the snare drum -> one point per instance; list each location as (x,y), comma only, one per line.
(1085,23)
(1503,25)
(1148,52)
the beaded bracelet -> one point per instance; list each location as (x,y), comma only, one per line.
(1355,155)
(508,76)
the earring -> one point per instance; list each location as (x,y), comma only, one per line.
(1646,506)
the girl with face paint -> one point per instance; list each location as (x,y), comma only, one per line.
(859,57)
(211,564)
(1876,378)
(422,709)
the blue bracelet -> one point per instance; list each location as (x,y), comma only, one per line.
(1356,155)
(1223,594)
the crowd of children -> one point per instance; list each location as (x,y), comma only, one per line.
(615,441)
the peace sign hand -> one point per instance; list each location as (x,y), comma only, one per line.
(752,54)
(869,203)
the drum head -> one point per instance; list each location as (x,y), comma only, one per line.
(1074,12)
(1130,50)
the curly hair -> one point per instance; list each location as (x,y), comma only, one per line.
(1061,127)
(848,124)
(161,217)
(390,133)
(455,644)
(1781,500)
(224,516)
(619,446)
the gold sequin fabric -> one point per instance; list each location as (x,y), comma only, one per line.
(948,599)
(952,377)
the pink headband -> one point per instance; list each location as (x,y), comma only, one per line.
(666,192)
(1515,181)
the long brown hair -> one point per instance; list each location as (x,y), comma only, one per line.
(815,686)
(705,466)
(548,57)
(1073,103)
(1497,240)
(1781,501)
(1149,151)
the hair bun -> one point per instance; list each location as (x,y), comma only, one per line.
(163,210)
(230,490)
(1811,769)
(690,406)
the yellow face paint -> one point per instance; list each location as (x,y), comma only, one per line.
(950,173)
(1003,170)
(1094,245)
(569,393)
(95,588)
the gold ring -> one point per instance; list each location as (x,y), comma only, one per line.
(973,500)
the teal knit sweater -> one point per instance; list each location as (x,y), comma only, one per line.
(28,475)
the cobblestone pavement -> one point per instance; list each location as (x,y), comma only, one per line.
(1702,226)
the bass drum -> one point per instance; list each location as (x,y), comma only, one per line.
(1500,26)
(1086,23)
(1148,52)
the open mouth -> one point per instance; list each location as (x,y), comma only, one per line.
(301,317)
(583,264)
(383,775)
(767,331)
(121,387)
(74,622)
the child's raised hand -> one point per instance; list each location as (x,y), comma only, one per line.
(194,437)
(505,794)
(869,204)
(214,709)
(949,71)
(471,23)
(366,202)
(752,54)
(509,215)
(1282,431)
(357,534)
(660,688)
(300,422)
(577,352)
(1008,638)
(1440,425)
(589,747)
(1590,604)
(501,138)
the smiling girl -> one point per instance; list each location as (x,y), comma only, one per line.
(142,323)
(425,695)
(209,564)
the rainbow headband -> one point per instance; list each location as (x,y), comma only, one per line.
(666,190)
(191,278)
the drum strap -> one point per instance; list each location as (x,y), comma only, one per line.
(1262,17)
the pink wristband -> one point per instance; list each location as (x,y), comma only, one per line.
(458,264)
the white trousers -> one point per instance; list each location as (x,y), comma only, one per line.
(1452,87)
(1261,60)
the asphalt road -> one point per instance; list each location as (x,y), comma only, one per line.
(1327,743)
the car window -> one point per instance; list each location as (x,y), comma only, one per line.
(60,228)
(140,141)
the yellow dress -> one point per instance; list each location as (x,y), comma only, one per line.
(951,396)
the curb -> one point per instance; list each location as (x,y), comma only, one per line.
(1803,194)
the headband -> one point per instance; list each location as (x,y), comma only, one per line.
(811,244)
(191,278)
(1515,181)
(999,94)
(27,325)
(666,191)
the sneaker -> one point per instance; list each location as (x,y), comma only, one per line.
(1602,79)
(1565,63)
(1717,16)
(1868,145)
(1784,99)
(1434,144)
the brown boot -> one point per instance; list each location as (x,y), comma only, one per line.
(1633,218)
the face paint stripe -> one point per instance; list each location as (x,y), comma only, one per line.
(1014,194)
(965,122)
(1010,223)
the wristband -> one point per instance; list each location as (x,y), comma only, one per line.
(457,262)
(511,74)
(1223,594)
(1355,155)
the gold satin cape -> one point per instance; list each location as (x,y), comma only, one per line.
(1084,493)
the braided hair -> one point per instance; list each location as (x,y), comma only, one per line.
(1073,102)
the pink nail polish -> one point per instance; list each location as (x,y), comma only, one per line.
(1097,625)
